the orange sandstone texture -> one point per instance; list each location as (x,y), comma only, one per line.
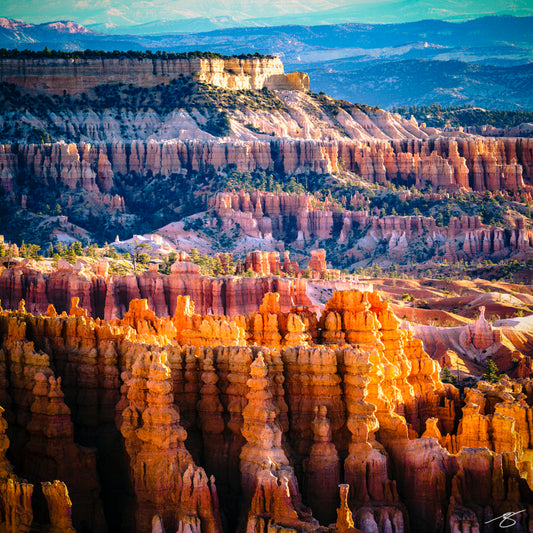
(59,505)
(166,480)
(213,436)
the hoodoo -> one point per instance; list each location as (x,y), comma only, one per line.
(233,438)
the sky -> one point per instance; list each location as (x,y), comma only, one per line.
(124,13)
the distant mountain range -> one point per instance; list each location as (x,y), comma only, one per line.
(207,18)
(485,62)
(122,16)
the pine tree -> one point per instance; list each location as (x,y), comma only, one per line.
(77,248)
(446,376)
(492,373)
(194,255)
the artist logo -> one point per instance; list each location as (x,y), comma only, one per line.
(506,519)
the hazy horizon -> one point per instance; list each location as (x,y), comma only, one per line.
(109,14)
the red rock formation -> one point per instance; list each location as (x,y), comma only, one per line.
(322,469)
(344,522)
(477,341)
(479,164)
(263,263)
(265,325)
(317,263)
(146,323)
(464,239)
(480,335)
(365,468)
(110,297)
(51,454)
(59,506)
(451,163)
(16,496)
(237,363)
(312,380)
(39,290)
(262,420)
(167,482)
(210,411)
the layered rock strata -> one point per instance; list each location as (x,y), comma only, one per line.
(109,297)
(73,76)
(274,216)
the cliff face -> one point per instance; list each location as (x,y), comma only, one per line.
(478,164)
(56,75)
(109,296)
(235,438)
(298,219)
(473,164)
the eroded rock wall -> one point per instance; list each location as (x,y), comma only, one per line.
(301,220)
(478,164)
(110,296)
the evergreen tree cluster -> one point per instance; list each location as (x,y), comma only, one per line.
(438,116)
(121,54)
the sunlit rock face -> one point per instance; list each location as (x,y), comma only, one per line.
(107,296)
(196,423)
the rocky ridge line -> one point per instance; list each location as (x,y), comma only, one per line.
(73,76)
(472,164)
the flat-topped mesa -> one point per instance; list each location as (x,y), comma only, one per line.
(73,76)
